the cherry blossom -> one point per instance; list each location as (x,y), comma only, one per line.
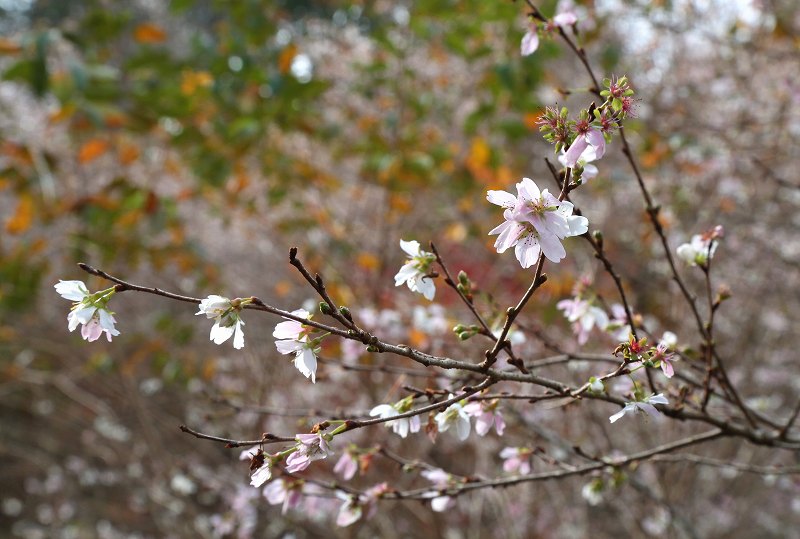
(701,249)
(416,272)
(535,222)
(401,426)
(516,459)
(584,316)
(88,309)
(664,353)
(294,338)
(588,156)
(290,494)
(645,405)
(227,322)
(588,136)
(440,480)
(592,492)
(310,447)
(488,415)
(455,414)
(262,474)
(352,510)
(347,465)
(530,41)
(619,325)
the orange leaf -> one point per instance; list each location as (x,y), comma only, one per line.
(9,46)
(286,57)
(192,80)
(91,150)
(22,218)
(128,152)
(368,261)
(149,33)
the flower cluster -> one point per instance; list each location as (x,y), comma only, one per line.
(535,222)
(90,310)
(416,273)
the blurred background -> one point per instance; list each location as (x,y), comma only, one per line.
(189,144)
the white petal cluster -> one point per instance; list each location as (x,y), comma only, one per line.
(702,247)
(535,223)
(293,338)
(455,414)
(645,405)
(88,310)
(401,426)
(227,322)
(416,271)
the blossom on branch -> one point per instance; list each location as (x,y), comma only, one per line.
(310,447)
(488,415)
(353,508)
(347,465)
(440,480)
(227,321)
(455,414)
(589,155)
(645,405)
(294,338)
(88,309)
(401,426)
(664,354)
(416,272)
(290,494)
(588,137)
(535,222)
(584,316)
(530,41)
(516,459)
(701,249)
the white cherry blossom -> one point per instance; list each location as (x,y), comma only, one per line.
(89,310)
(455,414)
(645,405)
(294,338)
(415,272)
(227,322)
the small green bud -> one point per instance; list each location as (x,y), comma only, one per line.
(324,308)
(463,278)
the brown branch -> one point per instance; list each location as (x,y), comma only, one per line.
(265,439)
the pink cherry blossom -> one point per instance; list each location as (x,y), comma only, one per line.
(310,447)
(587,136)
(487,415)
(347,465)
(516,459)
